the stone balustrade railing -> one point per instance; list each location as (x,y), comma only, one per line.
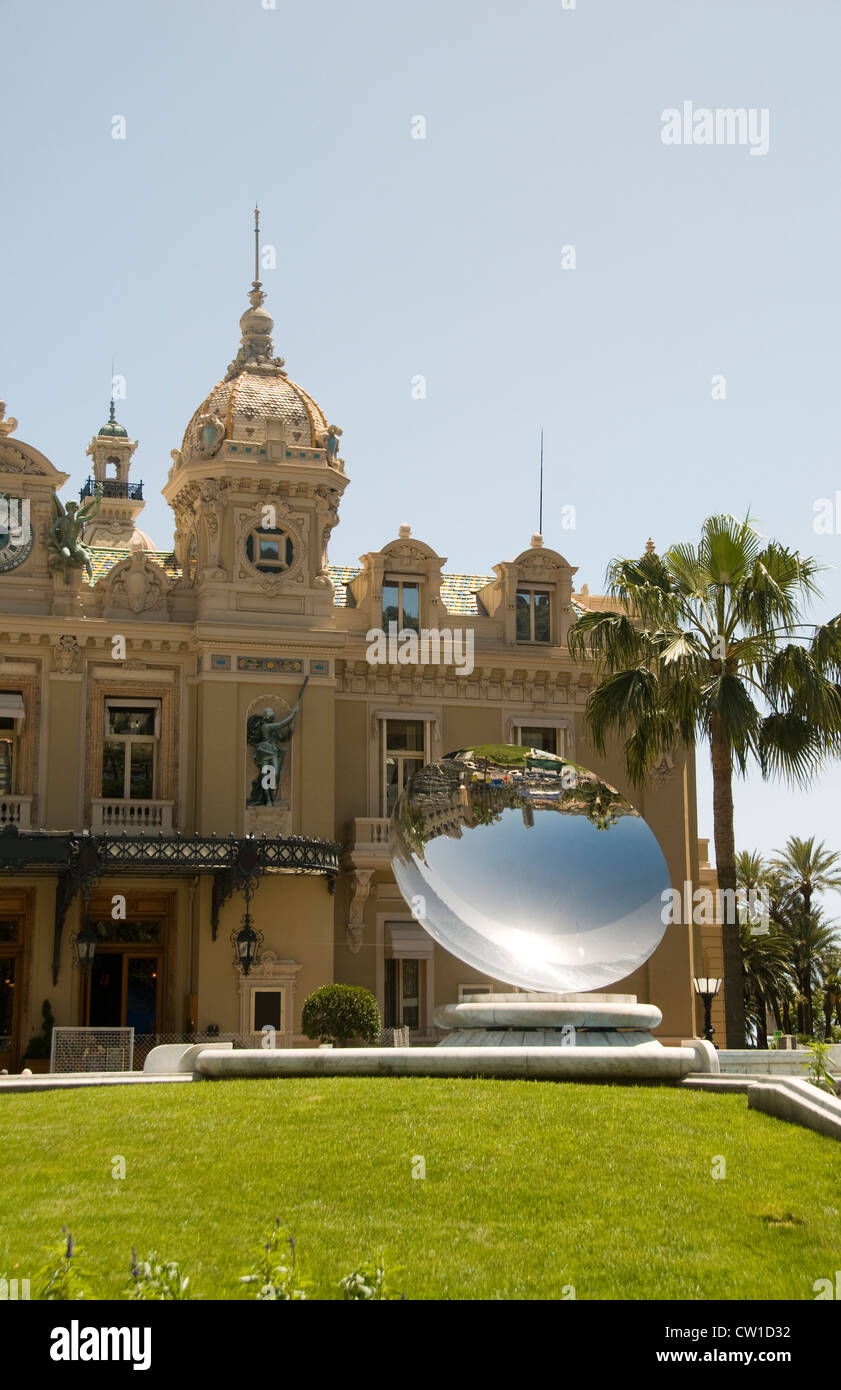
(133,817)
(15,810)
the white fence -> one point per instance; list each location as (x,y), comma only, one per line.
(92,1049)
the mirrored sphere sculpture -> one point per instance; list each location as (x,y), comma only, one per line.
(529,868)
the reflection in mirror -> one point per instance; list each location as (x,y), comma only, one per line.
(529,868)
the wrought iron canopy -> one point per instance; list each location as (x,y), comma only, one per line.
(42,852)
(80,861)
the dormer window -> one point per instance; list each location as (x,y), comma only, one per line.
(533,610)
(401,604)
(270,551)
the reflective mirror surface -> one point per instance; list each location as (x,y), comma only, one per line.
(529,868)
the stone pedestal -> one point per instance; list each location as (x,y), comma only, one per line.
(67,594)
(548,1020)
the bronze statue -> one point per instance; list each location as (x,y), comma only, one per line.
(331,443)
(65,546)
(267,738)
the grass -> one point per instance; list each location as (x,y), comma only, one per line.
(530,1187)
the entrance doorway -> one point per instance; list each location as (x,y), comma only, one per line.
(123,988)
(11,960)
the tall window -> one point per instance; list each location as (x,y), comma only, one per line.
(402,993)
(401,605)
(7,756)
(403,756)
(11,715)
(533,615)
(130,749)
(546,740)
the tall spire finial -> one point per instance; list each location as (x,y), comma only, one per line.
(256,295)
(256,352)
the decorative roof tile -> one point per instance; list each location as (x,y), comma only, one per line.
(104,558)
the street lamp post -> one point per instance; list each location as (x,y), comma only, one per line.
(707,988)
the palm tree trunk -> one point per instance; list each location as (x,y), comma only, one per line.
(761,1021)
(725,860)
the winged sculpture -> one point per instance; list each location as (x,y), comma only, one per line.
(65,545)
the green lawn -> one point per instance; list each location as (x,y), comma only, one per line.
(530,1187)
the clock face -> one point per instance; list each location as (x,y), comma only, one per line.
(15,532)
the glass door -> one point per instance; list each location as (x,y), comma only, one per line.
(7,1010)
(402,994)
(142,977)
(124,983)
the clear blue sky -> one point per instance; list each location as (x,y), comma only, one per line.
(442,257)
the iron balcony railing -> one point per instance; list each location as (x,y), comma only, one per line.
(128,492)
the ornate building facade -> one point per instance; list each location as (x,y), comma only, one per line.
(134,703)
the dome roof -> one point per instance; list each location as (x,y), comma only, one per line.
(255,389)
(111,429)
(140,538)
(245,401)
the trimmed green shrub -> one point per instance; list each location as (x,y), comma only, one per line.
(337,1013)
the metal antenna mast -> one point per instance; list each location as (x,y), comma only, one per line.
(540,526)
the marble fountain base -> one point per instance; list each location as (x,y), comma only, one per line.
(561,1037)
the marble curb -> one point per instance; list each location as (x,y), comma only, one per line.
(71,1081)
(799,1103)
(650,1061)
(547,1014)
(786,1098)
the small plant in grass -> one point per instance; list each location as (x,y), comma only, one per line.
(274,1272)
(157,1280)
(58,1281)
(366,1284)
(819,1073)
(338,1013)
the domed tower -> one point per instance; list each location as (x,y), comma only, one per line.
(122,500)
(256,486)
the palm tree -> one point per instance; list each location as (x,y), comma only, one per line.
(764,967)
(764,954)
(806,869)
(808,936)
(831,965)
(707,642)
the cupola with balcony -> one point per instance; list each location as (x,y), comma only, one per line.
(122,499)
